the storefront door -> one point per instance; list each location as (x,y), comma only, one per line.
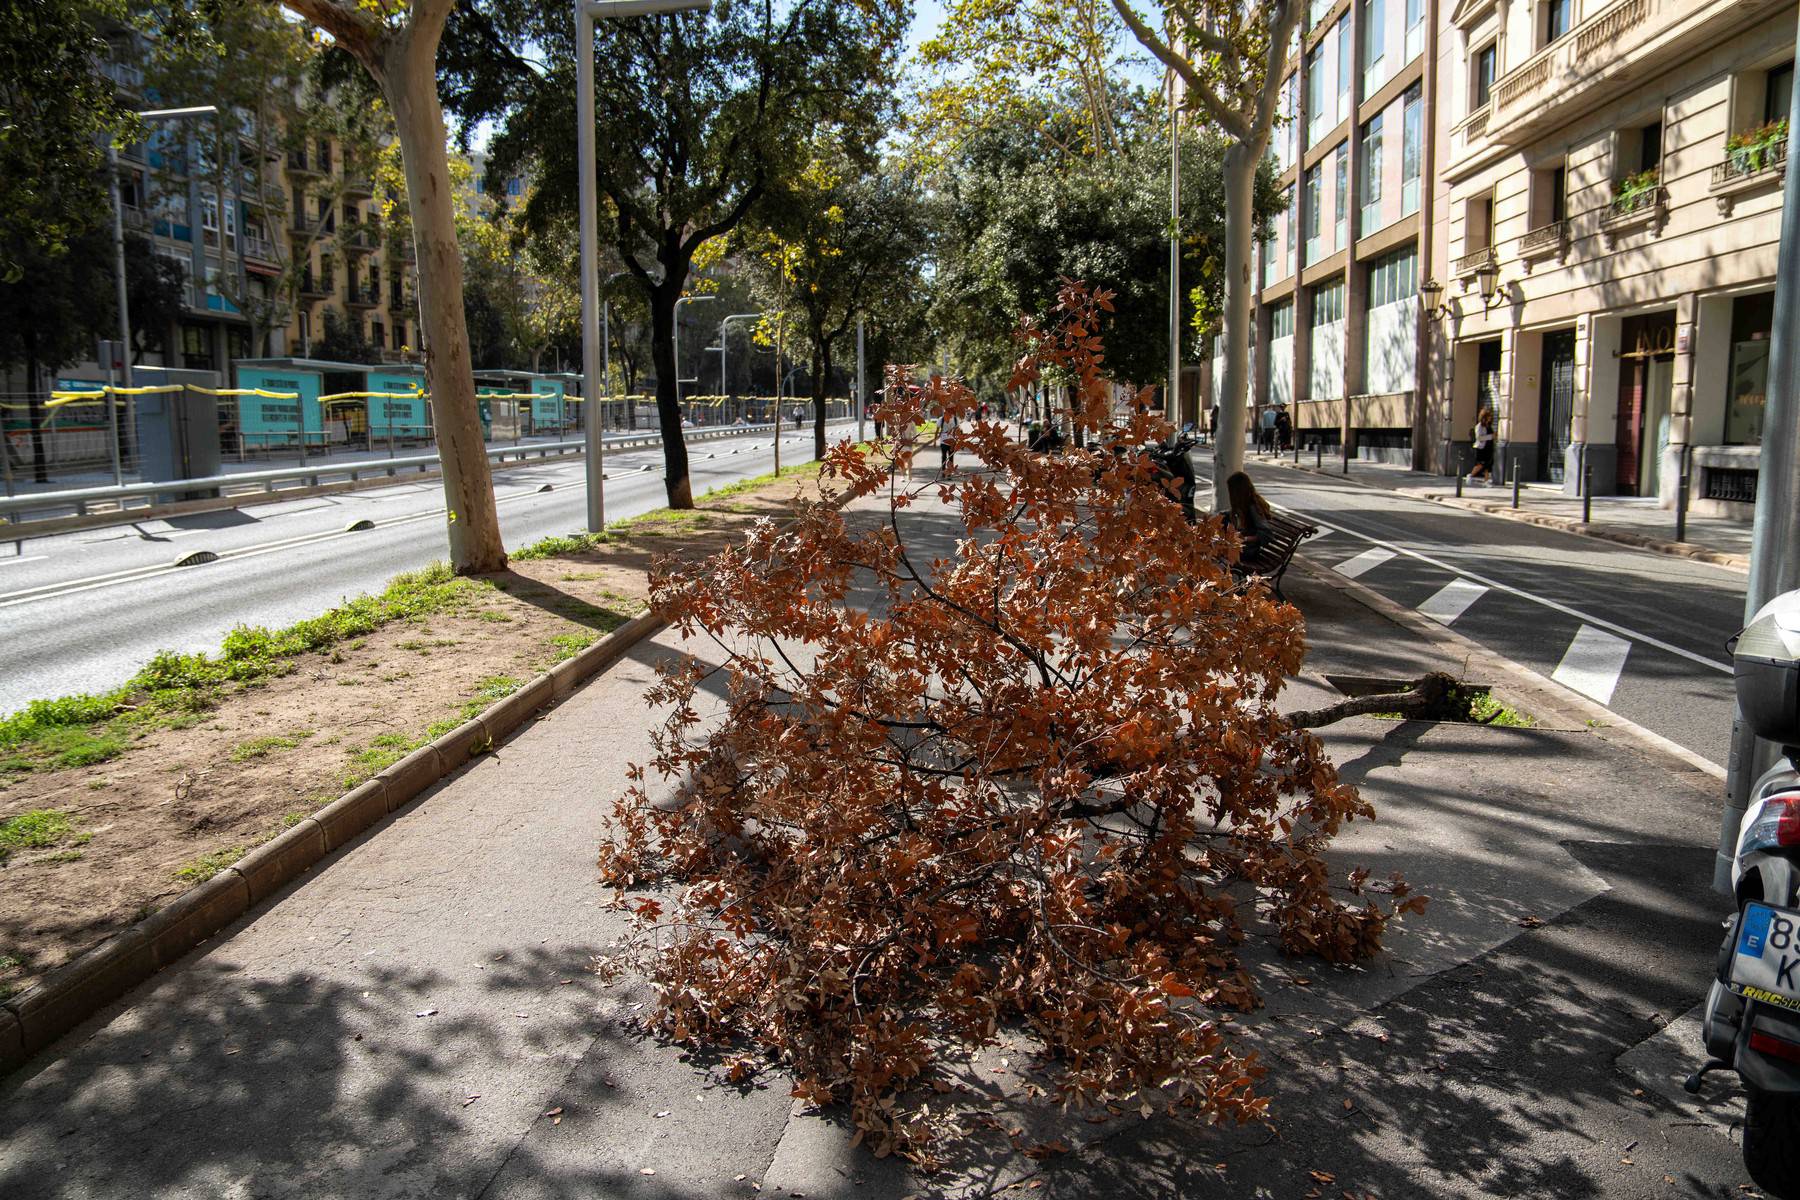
(1556,410)
(1646,383)
(1659,397)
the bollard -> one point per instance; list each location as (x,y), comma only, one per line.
(1587,494)
(1515,482)
(1346,448)
(1296,447)
(1459,479)
(1319,453)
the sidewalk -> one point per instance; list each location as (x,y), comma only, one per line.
(1631,520)
(415,1018)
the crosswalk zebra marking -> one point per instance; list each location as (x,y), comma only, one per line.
(1452,600)
(1593,663)
(1367,561)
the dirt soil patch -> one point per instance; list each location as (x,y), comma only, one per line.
(87,850)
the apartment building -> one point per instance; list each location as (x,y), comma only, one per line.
(1337,315)
(1609,201)
(267,246)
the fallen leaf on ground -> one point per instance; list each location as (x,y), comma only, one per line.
(1045,1149)
(1322,1176)
(471,1098)
(1530,922)
(426,1012)
(647,1171)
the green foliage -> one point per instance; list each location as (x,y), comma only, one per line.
(263,746)
(1013,219)
(207,865)
(38,829)
(75,731)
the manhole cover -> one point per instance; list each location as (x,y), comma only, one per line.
(196,558)
(359,525)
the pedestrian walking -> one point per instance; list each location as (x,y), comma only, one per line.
(1284,429)
(1265,430)
(1484,445)
(947,431)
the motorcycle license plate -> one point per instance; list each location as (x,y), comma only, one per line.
(1765,963)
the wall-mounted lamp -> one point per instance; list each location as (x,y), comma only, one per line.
(1487,277)
(1431,289)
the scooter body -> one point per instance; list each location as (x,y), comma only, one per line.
(1751,1022)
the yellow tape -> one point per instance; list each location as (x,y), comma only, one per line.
(336,396)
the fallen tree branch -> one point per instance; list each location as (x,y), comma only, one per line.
(1434,696)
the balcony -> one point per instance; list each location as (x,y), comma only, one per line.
(1749,169)
(1615,53)
(299,164)
(358,185)
(1472,262)
(1634,207)
(134,217)
(362,297)
(259,247)
(1550,240)
(363,237)
(127,77)
(317,287)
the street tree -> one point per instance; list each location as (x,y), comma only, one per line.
(1034,785)
(839,241)
(1009,210)
(1227,58)
(993,60)
(397,43)
(63,302)
(57,113)
(698,115)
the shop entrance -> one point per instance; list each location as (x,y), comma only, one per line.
(1556,410)
(1646,390)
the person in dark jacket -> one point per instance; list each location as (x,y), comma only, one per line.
(1249,514)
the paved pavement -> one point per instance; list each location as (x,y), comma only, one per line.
(398,1023)
(1640,632)
(83,611)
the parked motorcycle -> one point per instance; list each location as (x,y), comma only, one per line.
(1752,1018)
(1175,471)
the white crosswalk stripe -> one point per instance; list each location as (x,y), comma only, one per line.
(1368,560)
(1592,663)
(1452,600)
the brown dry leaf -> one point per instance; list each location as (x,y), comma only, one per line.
(1349,1104)
(1627,1162)
(1322,1176)
(1048,1149)
(471,1098)
(1531,922)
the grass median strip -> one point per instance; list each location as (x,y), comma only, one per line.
(201,758)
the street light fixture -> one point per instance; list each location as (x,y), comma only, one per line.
(1487,277)
(677,333)
(1431,289)
(724,327)
(586,13)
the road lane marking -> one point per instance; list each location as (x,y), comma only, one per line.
(1451,601)
(1509,589)
(1593,663)
(19,558)
(1367,561)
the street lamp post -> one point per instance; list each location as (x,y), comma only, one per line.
(724,328)
(677,334)
(124,351)
(592,353)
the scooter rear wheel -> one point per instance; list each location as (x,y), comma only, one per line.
(1772,1142)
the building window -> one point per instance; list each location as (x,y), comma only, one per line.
(1751,319)
(1343,67)
(1394,278)
(1293,220)
(1415,28)
(1318,120)
(1374,24)
(1328,303)
(1558,16)
(1281,320)
(1778,92)
(1478,224)
(1481,76)
(1340,196)
(196,348)
(1549,195)
(1315,197)
(1371,175)
(377,334)
(1412,144)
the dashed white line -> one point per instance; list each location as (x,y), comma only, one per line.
(1593,663)
(1452,601)
(1368,560)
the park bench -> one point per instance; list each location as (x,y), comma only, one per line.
(1277,550)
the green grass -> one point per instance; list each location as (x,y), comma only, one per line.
(264,746)
(39,829)
(568,645)
(208,865)
(175,690)
(1484,708)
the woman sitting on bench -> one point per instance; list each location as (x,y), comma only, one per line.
(1249,514)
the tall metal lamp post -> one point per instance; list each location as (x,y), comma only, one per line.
(677,332)
(724,330)
(586,13)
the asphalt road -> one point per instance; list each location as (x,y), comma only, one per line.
(1642,633)
(83,611)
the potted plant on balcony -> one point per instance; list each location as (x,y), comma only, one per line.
(1756,149)
(1635,192)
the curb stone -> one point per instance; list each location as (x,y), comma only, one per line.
(33,1020)
(1621,537)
